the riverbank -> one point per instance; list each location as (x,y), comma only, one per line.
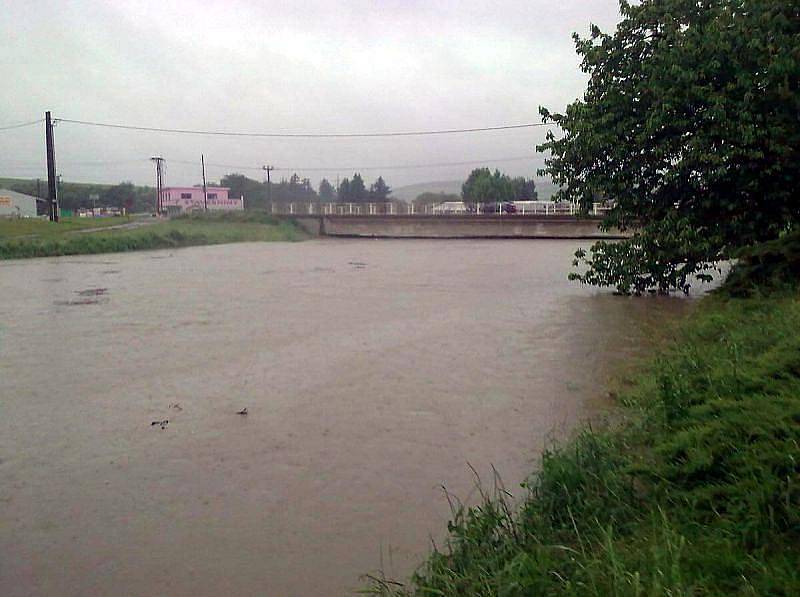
(695,490)
(36,238)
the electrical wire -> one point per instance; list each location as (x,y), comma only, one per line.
(412,166)
(239,167)
(301,135)
(357,168)
(20,125)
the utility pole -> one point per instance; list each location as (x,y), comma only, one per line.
(205,191)
(267,170)
(52,188)
(159,182)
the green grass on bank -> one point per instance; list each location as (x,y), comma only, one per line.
(696,491)
(179,232)
(24,227)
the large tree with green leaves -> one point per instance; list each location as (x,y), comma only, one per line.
(120,195)
(524,189)
(690,127)
(486,187)
(254,192)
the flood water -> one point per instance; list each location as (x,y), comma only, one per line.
(373,373)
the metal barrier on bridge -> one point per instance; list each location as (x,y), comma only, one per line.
(542,208)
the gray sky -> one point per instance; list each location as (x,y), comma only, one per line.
(259,66)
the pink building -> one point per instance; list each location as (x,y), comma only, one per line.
(191,198)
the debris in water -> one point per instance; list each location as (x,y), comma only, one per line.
(163,424)
(357,264)
(83,301)
(92,292)
(175,406)
(242,412)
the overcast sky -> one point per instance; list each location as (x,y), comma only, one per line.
(260,66)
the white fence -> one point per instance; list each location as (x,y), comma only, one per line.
(544,208)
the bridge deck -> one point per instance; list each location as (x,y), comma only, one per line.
(455,226)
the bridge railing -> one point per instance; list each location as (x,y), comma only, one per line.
(544,208)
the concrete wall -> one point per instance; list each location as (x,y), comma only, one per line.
(506,226)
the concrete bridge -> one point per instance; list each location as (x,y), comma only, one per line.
(454,226)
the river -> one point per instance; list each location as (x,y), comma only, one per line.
(373,374)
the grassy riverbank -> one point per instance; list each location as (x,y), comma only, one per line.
(36,238)
(30,227)
(695,491)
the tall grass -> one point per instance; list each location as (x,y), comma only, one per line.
(696,491)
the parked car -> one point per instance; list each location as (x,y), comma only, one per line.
(509,208)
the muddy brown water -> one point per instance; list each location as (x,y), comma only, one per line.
(373,373)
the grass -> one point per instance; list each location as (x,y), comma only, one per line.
(14,228)
(695,492)
(179,232)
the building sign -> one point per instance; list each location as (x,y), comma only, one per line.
(6,201)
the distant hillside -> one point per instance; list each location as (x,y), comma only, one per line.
(544,187)
(411,191)
(30,186)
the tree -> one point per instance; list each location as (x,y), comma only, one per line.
(483,186)
(254,192)
(470,190)
(121,195)
(689,126)
(379,190)
(358,192)
(524,189)
(343,194)
(326,190)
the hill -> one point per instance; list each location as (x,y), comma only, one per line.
(410,192)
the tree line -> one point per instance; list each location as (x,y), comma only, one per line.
(481,186)
(298,190)
(486,187)
(74,195)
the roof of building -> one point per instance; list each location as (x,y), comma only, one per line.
(196,188)
(17,195)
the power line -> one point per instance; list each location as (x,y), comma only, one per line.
(20,125)
(364,168)
(24,163)
(302,135)
(142,161)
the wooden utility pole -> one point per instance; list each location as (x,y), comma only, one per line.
(205,191)
(52,187)
(159,161)
(268,169)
